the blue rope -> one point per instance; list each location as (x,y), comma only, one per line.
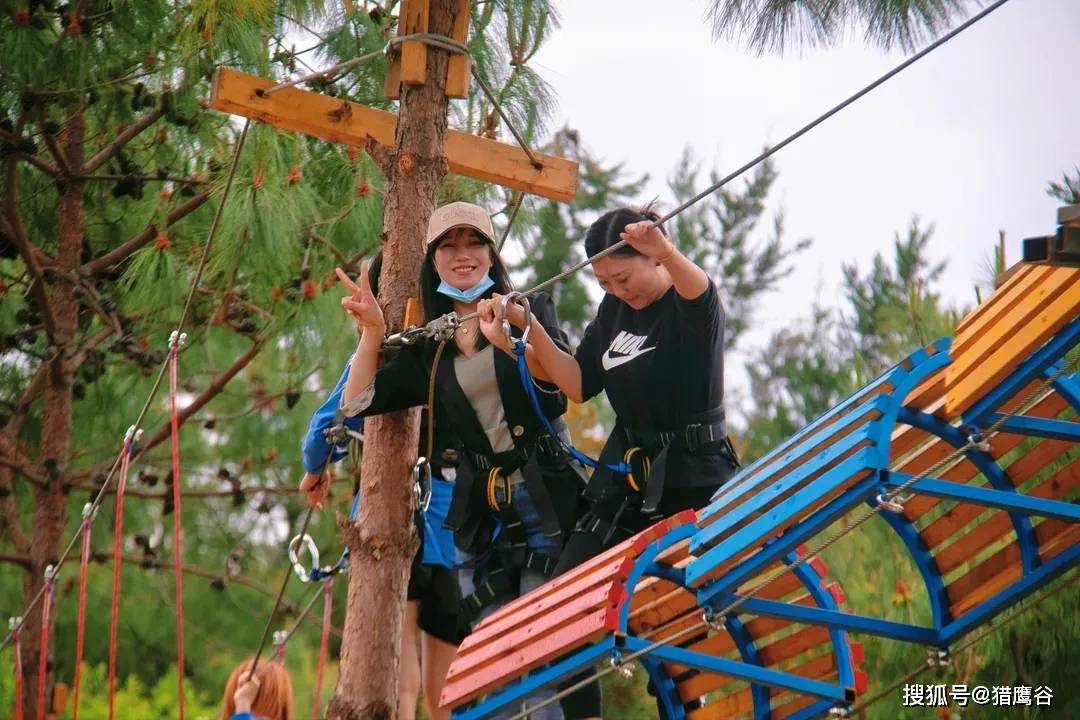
(530,390)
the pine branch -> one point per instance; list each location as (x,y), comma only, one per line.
(12,522)
(11,456)
(120,253)
(198,494)
(122,139)
(14,139)
(219,383)
(17,235)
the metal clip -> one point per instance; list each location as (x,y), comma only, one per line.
(976,441)
(622,669)
(712,620)
(313,550)
(421,474)
(523,301)
(839,711)
(442,328)
(50,573)
(177,339)
(280,637)
(15,623)
(938,657)
(133,434)
(890,503)
(89,511)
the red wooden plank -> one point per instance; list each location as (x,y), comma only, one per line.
(522,626)
(583,632)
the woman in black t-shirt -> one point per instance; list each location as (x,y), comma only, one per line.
(656,348)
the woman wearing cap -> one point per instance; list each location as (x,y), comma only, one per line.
(656,348)
(513,480)
(432,614)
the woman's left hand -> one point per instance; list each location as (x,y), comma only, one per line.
(648,240)
(245,695)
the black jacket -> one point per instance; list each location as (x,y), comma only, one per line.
(403,382)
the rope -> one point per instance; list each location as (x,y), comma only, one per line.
(966,645)
(175,341)
(537,165)
(324,646)
(43,644)
(440,41)
(280,595)
(15,625)
(153,390)
(530,390)
(431,400)
(510,223)
(773,150)
(709,616)
(80,622)
(118,541)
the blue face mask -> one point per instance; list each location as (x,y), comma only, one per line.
(471,295)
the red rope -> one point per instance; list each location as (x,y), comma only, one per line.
(17,648)
(114,613)
(324,646)
(178,558)
(80,625)
(43,645)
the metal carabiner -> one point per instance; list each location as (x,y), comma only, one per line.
(302,572)
(503,306)
(421,474)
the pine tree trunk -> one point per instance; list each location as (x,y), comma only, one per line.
(50,501)
(382,542)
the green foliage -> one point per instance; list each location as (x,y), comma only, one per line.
(716,233)
(770,26)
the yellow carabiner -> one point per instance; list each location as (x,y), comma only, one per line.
(645,464)
(493,477)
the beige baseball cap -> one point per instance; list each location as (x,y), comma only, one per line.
(459,214)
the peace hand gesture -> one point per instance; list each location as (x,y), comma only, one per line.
(361,303)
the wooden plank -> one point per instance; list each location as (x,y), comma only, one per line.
(1016,291)
(348,123)
(987,306)
(557,591)
(736,705)
(930,390)
(581,633)
(460,66)
(392,81)
(999,524)
(495,646)
(1001,445)
(1022,470)
(820,667)
(413,19)
(1058,303)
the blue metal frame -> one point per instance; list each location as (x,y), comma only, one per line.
(1029,370)
(774,549)
(925,562)
(841,652)
(1037,427)
(742,671)
(840,620)
(985,463)
(1068,386)
(1026,585)
(1008,501)
(734,488)
(667,695)
(749,654)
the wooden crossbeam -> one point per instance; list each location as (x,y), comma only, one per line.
(348,123)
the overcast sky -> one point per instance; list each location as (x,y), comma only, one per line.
(967,138)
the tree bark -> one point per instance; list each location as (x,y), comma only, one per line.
(383,540)
(50,500)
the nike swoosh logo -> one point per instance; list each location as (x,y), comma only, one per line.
(610,362)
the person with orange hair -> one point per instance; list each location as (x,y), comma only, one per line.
(266,695)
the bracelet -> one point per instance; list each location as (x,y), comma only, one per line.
(670,252)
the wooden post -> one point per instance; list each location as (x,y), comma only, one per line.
(383,540)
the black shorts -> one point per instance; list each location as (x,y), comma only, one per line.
(436,588)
